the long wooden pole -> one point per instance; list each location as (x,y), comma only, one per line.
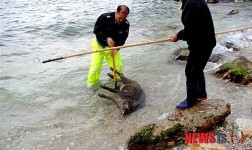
(106,49)
(235,30)
(132,45)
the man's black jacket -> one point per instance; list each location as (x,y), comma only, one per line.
(106,26)
(198,25)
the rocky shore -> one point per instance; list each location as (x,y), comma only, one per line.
(204,118)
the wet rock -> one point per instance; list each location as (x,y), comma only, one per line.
(238,71)
(212,1)
(232,12)
(215,58)
(156,136)
(227,1)
(182,54)
(202,117)
(231,45)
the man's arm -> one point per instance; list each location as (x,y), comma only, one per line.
(191,20)
(99,29)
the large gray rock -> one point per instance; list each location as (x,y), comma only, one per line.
(202,117)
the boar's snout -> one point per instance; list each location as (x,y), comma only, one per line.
(126,109)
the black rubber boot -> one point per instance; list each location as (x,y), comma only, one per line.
(191,89)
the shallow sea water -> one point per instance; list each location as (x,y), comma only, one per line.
(48,106)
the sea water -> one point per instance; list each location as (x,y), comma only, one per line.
(48,106)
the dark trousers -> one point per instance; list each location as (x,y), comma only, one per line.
(195,79)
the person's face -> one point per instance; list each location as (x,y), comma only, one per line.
(121,16)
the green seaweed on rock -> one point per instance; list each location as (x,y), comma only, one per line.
(145,135)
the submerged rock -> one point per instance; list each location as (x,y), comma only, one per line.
(215,58)
(230,45)
(202,117)
(212,1)
(232,12)
(238,71)
(183,54)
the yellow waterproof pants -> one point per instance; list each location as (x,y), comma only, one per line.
(97,62)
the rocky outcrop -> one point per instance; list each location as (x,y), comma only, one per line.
(202,117)
(238,71)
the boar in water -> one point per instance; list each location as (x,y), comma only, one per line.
(129,94)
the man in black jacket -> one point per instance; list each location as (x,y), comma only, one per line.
(200,36)
(111,29)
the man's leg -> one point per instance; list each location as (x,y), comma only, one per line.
(191,82)
(95,66)
(201,88)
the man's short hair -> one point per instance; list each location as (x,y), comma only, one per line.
(120,7)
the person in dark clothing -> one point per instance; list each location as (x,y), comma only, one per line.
(111,29)
(200,36)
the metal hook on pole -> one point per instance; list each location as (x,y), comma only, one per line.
(36,58)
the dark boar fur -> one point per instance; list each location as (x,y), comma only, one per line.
(129,94)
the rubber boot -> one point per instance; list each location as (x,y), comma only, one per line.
(201,88)
(191,89)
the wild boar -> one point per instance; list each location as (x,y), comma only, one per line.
(129,94)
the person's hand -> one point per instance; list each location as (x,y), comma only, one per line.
(174,38)
(110,42)
(113,52)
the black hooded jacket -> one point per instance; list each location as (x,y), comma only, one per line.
(198,25)
(106,26)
